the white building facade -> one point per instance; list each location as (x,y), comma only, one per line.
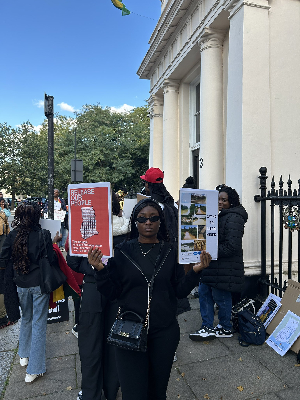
(225,97)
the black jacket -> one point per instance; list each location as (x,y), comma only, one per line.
(122,279)
(9,276)
(227,272)
(91,301)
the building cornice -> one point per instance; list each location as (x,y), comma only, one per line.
(234,6)
(174,17)
(164,29)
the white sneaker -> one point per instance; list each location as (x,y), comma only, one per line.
(24,361)
(205,333)
(75,331)
(29,378)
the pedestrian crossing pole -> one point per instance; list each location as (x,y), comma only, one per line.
(49,111)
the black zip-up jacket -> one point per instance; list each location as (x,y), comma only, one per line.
(123,279)
(91,300)
(227,272)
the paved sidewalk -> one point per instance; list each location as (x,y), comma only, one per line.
(216,370)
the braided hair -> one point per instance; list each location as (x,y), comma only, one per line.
(233,196)
(162,233)
(27,217)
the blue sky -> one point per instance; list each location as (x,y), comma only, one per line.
(80,52)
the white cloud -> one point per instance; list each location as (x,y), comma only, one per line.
(66,107)
(122,109)
(35,128)
(39,103)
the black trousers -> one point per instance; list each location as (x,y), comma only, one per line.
(98,364)
(145,376)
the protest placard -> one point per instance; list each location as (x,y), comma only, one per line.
(90,218)
(269,309)
(198,224)
(285,334)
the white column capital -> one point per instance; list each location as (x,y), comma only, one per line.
(234,6)
(211,38)
(154,102)
(171,85)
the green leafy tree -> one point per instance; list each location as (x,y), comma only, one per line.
(114,148)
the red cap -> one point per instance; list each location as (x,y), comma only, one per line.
(153,175)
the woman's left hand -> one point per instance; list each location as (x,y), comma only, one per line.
(205,259)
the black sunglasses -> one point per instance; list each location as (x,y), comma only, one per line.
(142,220)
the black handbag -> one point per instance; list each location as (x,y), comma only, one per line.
(52,276)
(129,334)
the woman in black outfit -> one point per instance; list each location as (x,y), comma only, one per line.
(126,277)
(20,257)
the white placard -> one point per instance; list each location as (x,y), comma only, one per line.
(285,334)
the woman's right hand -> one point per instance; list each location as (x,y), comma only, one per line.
(95,258)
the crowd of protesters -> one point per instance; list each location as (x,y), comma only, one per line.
(142,274)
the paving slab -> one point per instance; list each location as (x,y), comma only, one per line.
(6,360)
(289,394)
(189,351)
(64,343)
(230,378)
(9,337)
(178,387)
(59,378)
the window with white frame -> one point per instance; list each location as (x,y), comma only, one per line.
(195,114)
(195,128)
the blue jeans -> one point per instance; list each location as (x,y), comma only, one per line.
(64,233)
(208,296)
(32,341)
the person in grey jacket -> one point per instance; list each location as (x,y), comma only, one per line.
(225,275)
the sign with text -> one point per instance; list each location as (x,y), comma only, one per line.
(197,224)
(90,218)
(60,313)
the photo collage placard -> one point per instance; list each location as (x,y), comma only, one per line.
(198,224)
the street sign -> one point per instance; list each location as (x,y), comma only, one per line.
(76,170)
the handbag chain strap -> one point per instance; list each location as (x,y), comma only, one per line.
(150,286)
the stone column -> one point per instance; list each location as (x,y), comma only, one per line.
(248,134)
(170,137)
(211,159)
(156,104)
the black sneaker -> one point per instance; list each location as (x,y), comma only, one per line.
(79,396)
(204,333)
(221,332)
(75,331)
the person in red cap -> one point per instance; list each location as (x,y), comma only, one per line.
(155,188)
(153,175)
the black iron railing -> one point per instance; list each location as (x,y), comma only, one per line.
(288,222)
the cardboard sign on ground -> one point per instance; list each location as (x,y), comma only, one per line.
(290,301)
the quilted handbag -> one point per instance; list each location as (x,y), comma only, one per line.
(128,334)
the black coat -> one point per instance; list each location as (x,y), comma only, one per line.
(227,272)
(123,280)
(11,299)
